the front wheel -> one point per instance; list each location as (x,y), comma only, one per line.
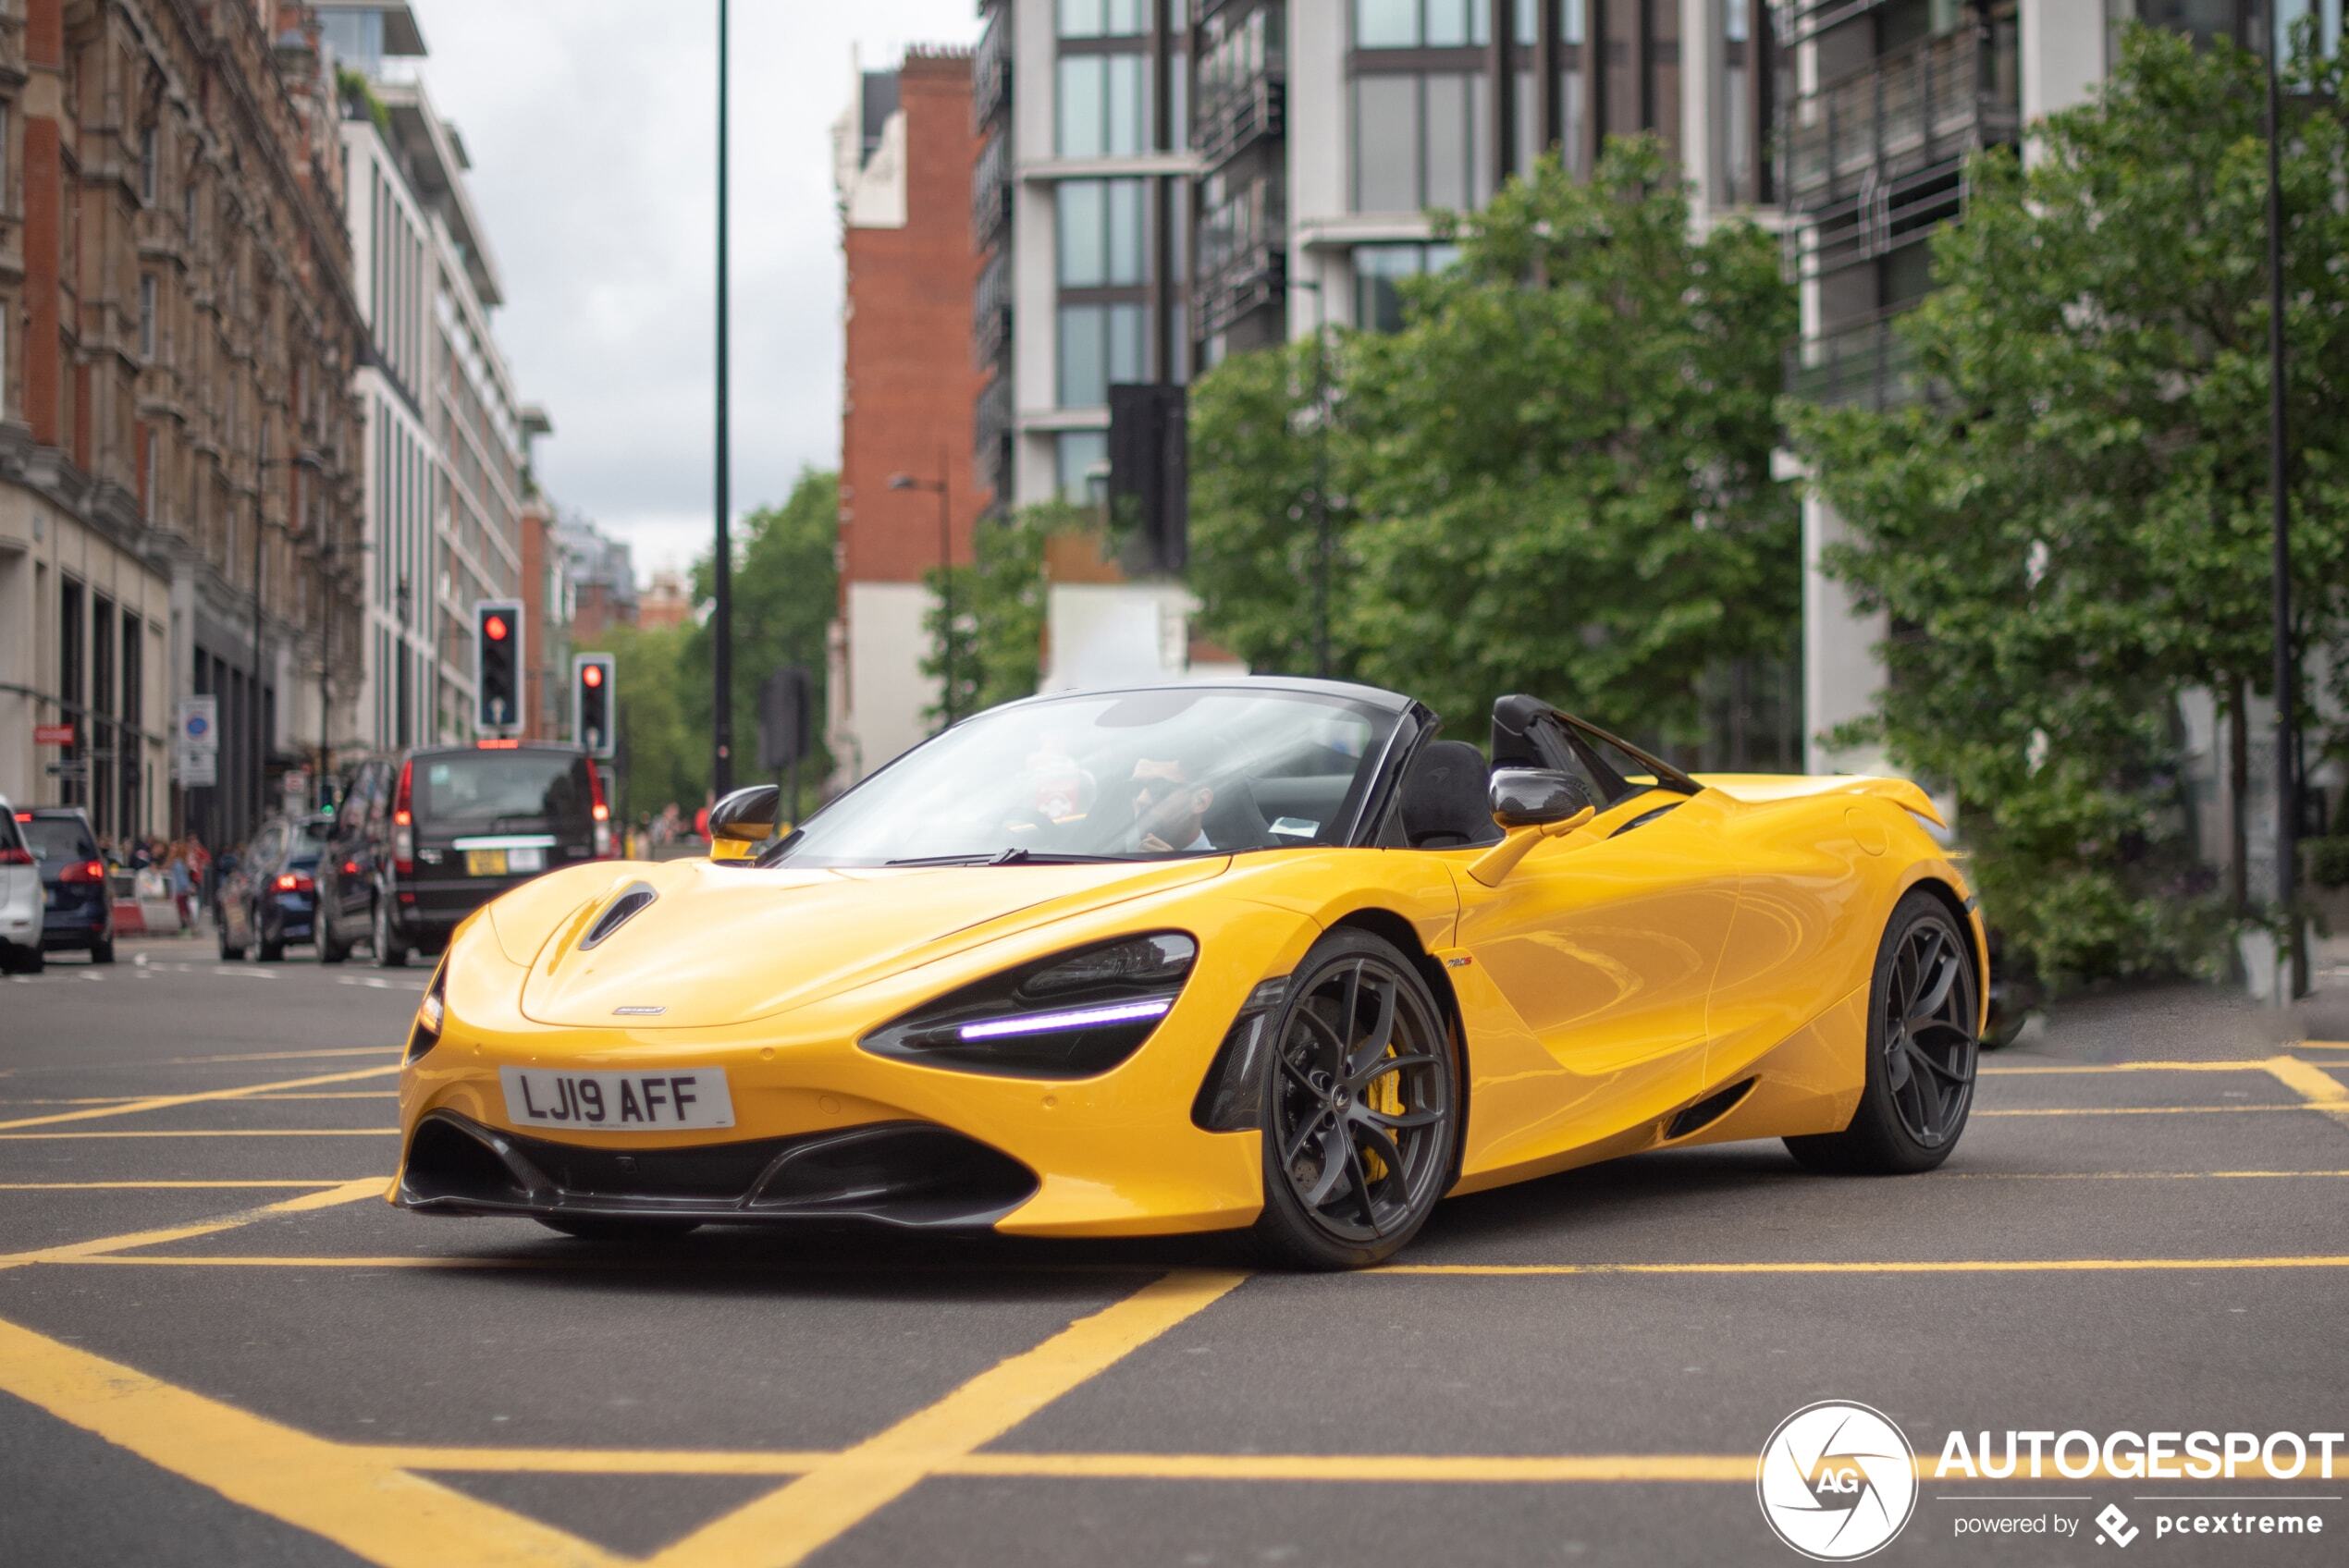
(1924,1012)
(1359,1089)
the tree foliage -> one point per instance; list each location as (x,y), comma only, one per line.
(658,755)
(998,631)
(785,594)
(1556,477)
(2072,530)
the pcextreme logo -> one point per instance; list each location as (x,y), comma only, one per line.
(1836,1481)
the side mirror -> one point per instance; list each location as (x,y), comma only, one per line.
(742,821)
(1531,804)
(1536,797)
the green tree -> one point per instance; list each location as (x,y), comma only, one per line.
(1556,477)
(999,609)
(2071,529)
(1257,448)
(786,592)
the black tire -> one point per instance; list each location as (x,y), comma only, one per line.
(268,948)
(391,952)
(1355,1157)
(228,953)
(329,950)
(19,960)
(1924,1012)
(102,950)
(619,1227)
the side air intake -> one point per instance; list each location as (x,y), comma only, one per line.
(1707,1112)
(633,897)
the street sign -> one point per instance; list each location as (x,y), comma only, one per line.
(74,769)
(197,770)
(52,734)
(199,724)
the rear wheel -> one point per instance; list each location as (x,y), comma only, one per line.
(391,952)
(271,948)
(1359,1117)
(230,951)
(1924,1012)
(102,950)
(329,950)
(619,1227)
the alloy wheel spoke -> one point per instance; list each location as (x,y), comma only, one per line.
(1926,1060)
(1305,1127)
(1384,1065)
(1335,1149)
(1333,1045)
(1382,1147)
(1381,1033)
(1945,977)
(1401,1120)
(1361,1183)
(1297,1074)
(1927,1100)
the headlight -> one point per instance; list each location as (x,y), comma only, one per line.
(1068,1016)
(429,1014)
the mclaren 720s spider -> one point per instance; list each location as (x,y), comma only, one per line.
(1262,953)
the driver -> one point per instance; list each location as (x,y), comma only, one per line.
(1170,805)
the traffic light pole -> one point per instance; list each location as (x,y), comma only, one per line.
(721,631)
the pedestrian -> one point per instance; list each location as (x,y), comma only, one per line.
(182,882)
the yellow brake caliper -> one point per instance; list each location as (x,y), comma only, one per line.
(1384,1093)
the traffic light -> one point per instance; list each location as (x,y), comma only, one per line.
(497,666)
(592,702)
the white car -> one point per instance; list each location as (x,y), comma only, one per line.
(22,898)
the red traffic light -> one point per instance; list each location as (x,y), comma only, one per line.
(592,675)
(494,627)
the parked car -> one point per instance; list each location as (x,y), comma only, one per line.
(425,838)
(21,899)
(80,909)
(270,898)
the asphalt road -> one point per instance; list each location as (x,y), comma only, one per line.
(217,1346)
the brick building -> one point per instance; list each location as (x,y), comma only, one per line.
(903,156)
(176,435)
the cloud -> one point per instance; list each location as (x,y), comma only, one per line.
(592,128)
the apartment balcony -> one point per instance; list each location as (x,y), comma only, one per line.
(1929,103)
(1238,117)
(992,188)
(1243,257)
(994,433)
(1864,363)
(991,72)
(992,312)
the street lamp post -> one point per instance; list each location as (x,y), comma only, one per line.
(2290,982)
(945,583)
(721,619)
(1323,545)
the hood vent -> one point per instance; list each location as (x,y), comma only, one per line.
(633,897)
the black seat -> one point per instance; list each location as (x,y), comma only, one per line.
(1447,801)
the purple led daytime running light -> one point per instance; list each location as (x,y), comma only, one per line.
(1049,1022)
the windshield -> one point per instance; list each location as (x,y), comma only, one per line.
(487,789)
(1126,776)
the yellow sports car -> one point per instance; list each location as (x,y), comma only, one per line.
(1259,953)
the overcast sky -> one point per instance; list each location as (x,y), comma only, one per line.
(591,125)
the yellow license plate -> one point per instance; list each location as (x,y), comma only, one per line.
(484,862)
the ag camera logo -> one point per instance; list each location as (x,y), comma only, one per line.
(1836,1481)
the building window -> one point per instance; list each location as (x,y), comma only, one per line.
(1077,455)
(1104,19)
(1103,105)
(1378,303)
(188,209)
(1425,24)
(147,316)
(1104,233)
(1420,143)
(1100,346)
(147,167)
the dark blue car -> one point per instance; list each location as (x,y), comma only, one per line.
(80,911)
(271,896)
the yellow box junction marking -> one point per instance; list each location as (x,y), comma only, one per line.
(84,1251)
(164,1102)
(788,1525)
(210,1133)
(175,1186)
(2311,1083)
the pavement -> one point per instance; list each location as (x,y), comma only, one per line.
(219,1345)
